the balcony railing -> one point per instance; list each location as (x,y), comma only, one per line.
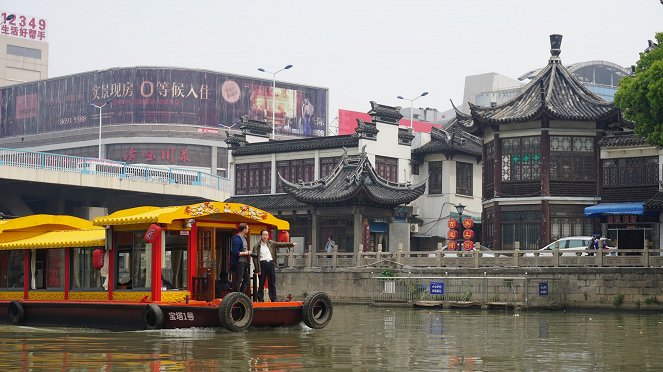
(475,259)
(111,168)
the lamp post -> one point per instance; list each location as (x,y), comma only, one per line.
(412,103)
(109,101)
(287,67)
(460,208)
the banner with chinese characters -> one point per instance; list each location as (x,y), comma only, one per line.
(23,26)
(159,96)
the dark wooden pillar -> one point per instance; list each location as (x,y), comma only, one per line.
(497,228)
(545,181)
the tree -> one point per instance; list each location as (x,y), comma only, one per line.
(640,96)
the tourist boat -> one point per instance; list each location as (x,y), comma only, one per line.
(140,268)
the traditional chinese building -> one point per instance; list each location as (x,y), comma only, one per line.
(450,159)
(631,203)
(351,187)
(541,163)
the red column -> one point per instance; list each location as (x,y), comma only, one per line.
(26,274)
(67,272)
(156,267)
(192,256)
(110,248)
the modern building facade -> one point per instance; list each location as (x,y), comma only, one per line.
(23,49)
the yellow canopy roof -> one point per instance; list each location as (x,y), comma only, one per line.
(59,239)
(34,225)
(226,212)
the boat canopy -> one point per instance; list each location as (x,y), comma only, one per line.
(225,212)
(36,225)
(59,239)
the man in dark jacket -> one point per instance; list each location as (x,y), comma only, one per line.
(239,259)
(265,254)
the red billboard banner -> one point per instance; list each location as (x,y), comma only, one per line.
(159,96)
(347,122)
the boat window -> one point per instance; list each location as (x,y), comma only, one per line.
(11,269)
(83,274)
(47,268)
(134,260)
(174,271)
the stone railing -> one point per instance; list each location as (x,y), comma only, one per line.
(474,259)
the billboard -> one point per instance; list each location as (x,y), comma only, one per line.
(347,122)
(23,26)
(159,96)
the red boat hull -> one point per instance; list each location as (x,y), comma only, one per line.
(131,315)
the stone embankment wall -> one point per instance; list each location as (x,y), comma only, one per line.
(582,287)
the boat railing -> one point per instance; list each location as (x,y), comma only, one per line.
(112,168)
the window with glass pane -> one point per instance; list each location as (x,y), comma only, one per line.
(253,178)
(47,268)
(83,274)
(295,171)
(134,260)
(387,168)
(11,269)
(521,159)
(174,271)
(435,177)
(327,165)
(489,163)
(630,171)
(464,178)
(572,158)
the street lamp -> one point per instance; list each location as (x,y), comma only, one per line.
(109,101)
(274,94)
(460,208)
(412,103)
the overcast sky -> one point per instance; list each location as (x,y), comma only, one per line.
(360,50)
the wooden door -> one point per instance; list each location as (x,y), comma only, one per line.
(205,263)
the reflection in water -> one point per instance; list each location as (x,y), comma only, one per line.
(359,338)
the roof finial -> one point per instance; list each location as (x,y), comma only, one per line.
(555,47)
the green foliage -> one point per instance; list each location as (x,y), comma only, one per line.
(387,273)
(640,96)
(652,301)
(618,300)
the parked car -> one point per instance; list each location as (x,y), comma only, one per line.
(572,245)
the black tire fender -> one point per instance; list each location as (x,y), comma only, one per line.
(317,310)
(236,312)
(153,316)
(16,312)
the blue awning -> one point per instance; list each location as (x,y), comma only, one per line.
(614,208)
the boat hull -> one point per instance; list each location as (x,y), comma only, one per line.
(131,315)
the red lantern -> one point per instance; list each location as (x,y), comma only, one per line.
(284,236)
(452,246)
(452,235)
(468,234)
(468,223)
(452,224)
(98,258)
(152,233)
(468,245)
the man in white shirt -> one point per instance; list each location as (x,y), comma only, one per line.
(266,253)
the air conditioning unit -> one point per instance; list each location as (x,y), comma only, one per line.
(415,210)
(414,228)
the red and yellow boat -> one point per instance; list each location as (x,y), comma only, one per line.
(140,268)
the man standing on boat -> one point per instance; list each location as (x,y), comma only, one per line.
(239,260)
(265,251)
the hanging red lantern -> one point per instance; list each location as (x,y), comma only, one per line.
(452,234)
(152,233)
(452,245)
(468,245)
(468,234)
(452,223)
(284,236)
(98,258)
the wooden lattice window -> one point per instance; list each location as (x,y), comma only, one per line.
(387,168)
(435,177)
(630,171)
(253,178)
(572,158)
(464,176)
(521,159)
(298,170)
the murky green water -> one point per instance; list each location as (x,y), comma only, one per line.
(360,338)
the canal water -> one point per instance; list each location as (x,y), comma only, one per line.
(360,338)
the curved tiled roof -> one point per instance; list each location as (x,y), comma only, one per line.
(454,138)
(302,144)
(622,140)
(354,182)
(555,92)
(271,202)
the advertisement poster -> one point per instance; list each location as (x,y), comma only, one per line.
(159,96)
